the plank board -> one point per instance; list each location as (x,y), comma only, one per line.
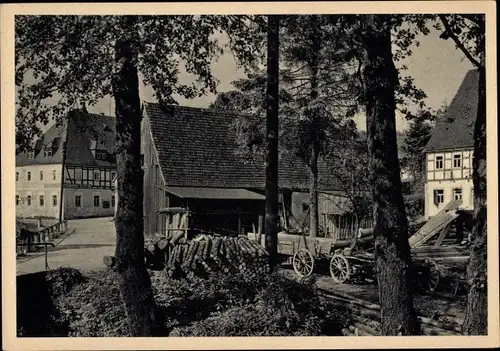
(435,224)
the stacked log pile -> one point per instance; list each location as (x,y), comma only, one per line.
(207,254)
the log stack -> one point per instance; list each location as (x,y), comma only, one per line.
(206,254)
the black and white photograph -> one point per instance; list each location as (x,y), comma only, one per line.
(260,172)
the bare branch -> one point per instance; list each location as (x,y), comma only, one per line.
(457,41)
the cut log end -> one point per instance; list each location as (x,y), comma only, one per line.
(109,261)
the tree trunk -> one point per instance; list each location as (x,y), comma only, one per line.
(476,318)
(315,147)
(133,278)
(313,194)
(271,222)
(392,250)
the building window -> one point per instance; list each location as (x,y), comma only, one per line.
(54,200)
(78,201)
(457,194)
(17,176)
(78,174)
(47,152)
(439,162)
(54,174)
(96,175)
(28,199)
(29,176)
(31,154)
(113,203)
(42,201)
(17,200)
(438,196)
(457,161)
(113,176)
(41,175)
(100,155)
(96,201)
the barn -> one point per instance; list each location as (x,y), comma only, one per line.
(194,180)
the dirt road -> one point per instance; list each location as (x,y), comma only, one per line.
(83,249)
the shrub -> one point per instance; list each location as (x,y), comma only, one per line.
(94,309)
(62,280)
(219,305)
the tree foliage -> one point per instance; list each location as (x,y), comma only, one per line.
(63,60)
(349,167)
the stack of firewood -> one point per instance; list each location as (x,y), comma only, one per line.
(206,254)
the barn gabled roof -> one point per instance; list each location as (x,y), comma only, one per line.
(456,128)
(197,148)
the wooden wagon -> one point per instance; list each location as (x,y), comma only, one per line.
(439,251)
(307,254)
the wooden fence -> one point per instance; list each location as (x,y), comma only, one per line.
(30,239)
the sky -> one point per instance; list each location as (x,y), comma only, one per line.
(436,66)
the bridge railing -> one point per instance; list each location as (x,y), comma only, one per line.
(29,239)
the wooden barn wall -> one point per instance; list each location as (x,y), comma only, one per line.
(330,218)
(154,195)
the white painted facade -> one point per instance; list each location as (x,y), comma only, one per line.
(449,176)
(38,189)
(38,194)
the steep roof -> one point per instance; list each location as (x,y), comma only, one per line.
(196,148)
(87,131)
(84,131)
(455,129)
(53,137)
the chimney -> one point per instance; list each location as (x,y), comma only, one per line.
(83,107)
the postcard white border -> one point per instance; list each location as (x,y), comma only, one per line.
(11,342)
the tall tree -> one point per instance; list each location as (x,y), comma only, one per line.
(415,139)
(314,96)
(413,160)
(271,221)
(134,282)
(392,251)
(84,58)
(468,33)
(348,166)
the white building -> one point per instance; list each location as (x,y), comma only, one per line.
(449,152)
(76,158)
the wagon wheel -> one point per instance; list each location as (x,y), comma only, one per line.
(434,275)
(340,270)
(303,263)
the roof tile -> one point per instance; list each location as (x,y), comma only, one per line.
(197,148)
(456,127)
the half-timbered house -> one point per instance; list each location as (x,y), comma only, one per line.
(449,151)
(69,171)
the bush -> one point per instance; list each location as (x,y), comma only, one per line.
(93,309)
(62,280)
(274,305)
(220,305)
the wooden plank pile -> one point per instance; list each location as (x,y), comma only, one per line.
(206,254)
(436,224)
(366,318)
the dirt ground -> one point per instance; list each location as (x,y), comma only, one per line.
(84,248)
(439,305)
(94,238)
